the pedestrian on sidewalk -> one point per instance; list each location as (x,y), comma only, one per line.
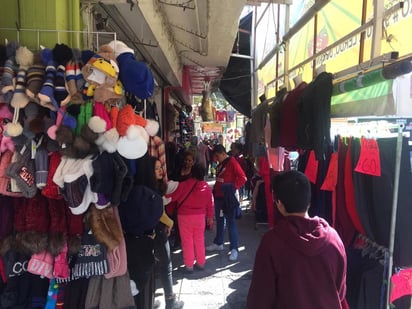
(301,262)
(194,207)
(228,173)
(161,240)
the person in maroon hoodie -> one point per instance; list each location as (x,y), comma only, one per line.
(301,262)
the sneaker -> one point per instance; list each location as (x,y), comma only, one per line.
(157,304)
(233,255)
(174,304)
(186,270)
(200,267)
(214,247)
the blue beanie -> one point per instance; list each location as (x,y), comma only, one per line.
(135,76)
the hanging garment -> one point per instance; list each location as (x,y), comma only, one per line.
(373,197)
(275,117)
(343,222)
(289,120)
(349,189)
(221,115)
(258,123)
(264,171)
(314,115)
(276,156)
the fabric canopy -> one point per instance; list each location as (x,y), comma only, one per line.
(375,100)
(235,84)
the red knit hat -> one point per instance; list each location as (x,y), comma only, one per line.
(37,215)
(74,231)
(6,216)
(51,190)
(19,214)
(34,239)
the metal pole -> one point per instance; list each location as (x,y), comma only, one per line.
(394,210)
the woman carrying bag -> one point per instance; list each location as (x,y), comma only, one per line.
(194,200)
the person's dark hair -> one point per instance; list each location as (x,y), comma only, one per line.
(238,146)
(293,189)
(189,153)
(219,148)
(145,174)
(198,172)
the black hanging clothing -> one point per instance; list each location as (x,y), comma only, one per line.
(374,200)
(276,117)
(314,115)
(258,123)
(75,293)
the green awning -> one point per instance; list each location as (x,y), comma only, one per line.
(374,100)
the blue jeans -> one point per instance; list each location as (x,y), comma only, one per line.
(221,222)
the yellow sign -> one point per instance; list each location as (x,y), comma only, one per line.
(212,128)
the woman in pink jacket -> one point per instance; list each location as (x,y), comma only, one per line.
(194,204)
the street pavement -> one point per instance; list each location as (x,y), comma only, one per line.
(222,284)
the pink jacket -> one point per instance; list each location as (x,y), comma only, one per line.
(199,200)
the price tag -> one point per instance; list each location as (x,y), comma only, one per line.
(311,170)
(369,161)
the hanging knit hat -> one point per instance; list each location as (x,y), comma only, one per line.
(127,117)
(5,182)
(100,111)
(41,264)
(108,141)
(105,228)
(135,75)
(51,190)
(86,112)
(72,176)
(31,112)
(61,266)
(75,94)
(15,263)
(24,58)
(23,172)
(46,93)
(58,225)
(35,77)
(107,94)
(137,218)
(74,233)
(41,161)
(6,216)
(9,73)
(62,117)
(117,258)
(37,220)
(99,71)
(65,138)
(8,80)
(120,172)
(91,259)
(133,145)
(103,173)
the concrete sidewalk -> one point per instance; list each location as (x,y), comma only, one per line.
(223,284)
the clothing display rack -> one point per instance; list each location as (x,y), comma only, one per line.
(394,209)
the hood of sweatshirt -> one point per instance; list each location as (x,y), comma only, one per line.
(307,235)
